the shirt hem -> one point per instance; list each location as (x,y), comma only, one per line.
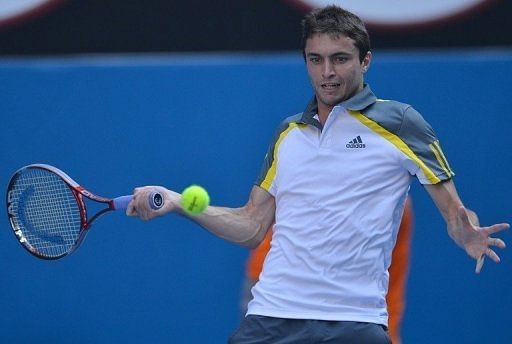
(319,316)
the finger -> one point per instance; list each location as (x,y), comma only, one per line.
(131,210)
(496,228)
(479,264)
(146,216)
(491,254)
(496,242)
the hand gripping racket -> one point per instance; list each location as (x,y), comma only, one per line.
(47,211)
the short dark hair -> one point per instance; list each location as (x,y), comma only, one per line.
(335,21)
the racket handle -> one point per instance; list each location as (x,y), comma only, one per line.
(156,201)
(122,202)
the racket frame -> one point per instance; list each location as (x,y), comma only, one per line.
(78,192)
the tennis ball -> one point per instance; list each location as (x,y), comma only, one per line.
(194,199)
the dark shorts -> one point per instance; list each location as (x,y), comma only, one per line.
(256,329)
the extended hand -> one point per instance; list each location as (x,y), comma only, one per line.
(139,206)
(477,241)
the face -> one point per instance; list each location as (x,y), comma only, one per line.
(334,69)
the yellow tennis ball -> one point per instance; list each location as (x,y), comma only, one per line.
(194,199)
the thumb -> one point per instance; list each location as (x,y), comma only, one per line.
(462,214)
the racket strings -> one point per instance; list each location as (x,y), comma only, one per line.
(46,212)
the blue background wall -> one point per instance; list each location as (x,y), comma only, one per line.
(114,123)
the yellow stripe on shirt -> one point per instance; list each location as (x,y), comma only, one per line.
(398,143)
(271,173)
(438,152)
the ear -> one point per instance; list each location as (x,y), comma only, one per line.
(366,62)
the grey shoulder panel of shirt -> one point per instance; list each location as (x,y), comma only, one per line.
(401,120)
(269,157)
(409,125)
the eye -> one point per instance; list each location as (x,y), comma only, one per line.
(340,59)
(314,59)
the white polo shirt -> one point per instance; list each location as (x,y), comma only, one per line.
(340,192)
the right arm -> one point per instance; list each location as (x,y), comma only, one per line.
(245,226)
(463,225)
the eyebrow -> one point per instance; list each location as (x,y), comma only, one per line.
(341,53)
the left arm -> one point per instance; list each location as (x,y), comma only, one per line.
(463,225)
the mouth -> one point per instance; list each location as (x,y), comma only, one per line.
(330,85)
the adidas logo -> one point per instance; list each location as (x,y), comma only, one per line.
(356,143)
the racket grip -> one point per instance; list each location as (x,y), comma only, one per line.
(122,202)
(155,200)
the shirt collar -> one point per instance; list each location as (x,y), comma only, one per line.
(358,102)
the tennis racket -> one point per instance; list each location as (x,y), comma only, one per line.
(47,210)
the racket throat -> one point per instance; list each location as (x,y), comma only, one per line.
(83,209)
(88,223)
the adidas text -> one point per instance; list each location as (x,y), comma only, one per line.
(355,145)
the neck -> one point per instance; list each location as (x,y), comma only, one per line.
(323,112)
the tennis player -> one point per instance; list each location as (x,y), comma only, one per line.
(335,179)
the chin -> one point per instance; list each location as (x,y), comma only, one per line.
(332,101)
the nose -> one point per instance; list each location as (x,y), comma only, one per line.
(328,69)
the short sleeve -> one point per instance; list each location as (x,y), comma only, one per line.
(419,136)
